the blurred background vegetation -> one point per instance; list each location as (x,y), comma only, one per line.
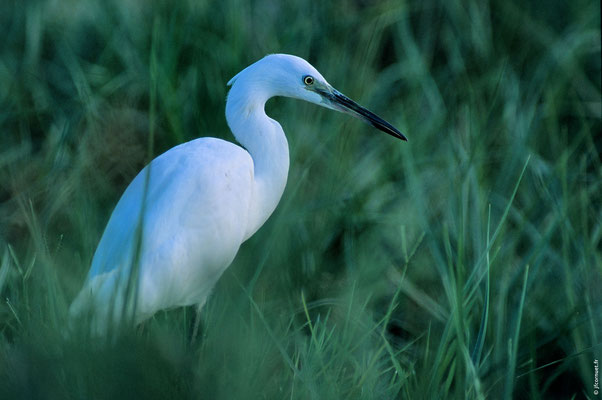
(465,263)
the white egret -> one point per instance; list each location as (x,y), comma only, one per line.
(181,221)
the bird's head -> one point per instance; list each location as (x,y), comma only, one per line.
(292,76)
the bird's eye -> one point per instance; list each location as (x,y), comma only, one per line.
(308,80)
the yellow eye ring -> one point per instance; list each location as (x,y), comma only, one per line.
(308,80)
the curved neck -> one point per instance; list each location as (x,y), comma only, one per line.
(265,141)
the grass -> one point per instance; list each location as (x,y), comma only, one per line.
(463,264)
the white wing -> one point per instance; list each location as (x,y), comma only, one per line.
(185,214)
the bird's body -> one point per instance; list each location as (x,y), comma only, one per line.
(205,173)
(181,221)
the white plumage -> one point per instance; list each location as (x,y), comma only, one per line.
(181,221)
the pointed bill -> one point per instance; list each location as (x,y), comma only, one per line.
(340,102)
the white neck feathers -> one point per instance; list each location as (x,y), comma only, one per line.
(265,141)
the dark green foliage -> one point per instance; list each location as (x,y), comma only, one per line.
(464,263)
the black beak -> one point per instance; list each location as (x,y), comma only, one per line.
(343,103)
